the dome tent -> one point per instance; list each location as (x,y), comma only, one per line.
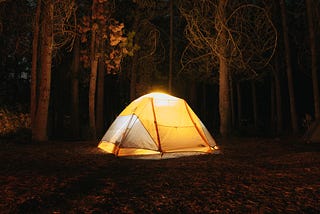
(157,125)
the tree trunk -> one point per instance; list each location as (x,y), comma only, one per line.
(41,117)
(294,123)
(100,99)
(233,115)
(193,94)
(133,78)
(204,101)
(272,120)
(313,60)
(134,65)
(239,99)
(33,86)
(75,90)
(277,83)
(224,102)
(224,98)
(93,75)
(171,48)
(254,104)
(92,96)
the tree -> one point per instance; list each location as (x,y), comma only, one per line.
(144,37)
(314,66)
(33,86)
(223,49)
(55,33)
(171,47)
(227,36)
(293,113)
(108,46)
(42,103)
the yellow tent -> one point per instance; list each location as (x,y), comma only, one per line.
(157,125)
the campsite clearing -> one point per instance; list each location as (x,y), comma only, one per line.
(251,176)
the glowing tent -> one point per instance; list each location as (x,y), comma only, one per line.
(157,125)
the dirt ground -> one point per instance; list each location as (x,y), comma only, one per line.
(251,176)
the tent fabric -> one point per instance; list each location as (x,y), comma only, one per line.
(157,124)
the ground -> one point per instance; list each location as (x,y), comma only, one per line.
(250,176)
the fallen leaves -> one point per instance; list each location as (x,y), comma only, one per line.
(74,177)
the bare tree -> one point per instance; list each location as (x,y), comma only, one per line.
(227,36)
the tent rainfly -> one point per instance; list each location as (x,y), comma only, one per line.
(157,125)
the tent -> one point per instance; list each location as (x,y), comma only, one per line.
(157,125)
(313,132)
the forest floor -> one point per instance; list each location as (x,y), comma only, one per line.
(250,176)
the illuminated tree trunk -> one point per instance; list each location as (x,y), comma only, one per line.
(171,48)
(92,95)
(93,75)
(224,98)
(75,89)
(41,116)
(313,60)
(33,95)
(100,98)
(224,102)
(294,123)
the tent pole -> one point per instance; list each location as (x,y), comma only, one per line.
(156,126)
(195,125)
(125,134)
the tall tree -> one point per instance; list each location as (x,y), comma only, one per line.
(75,121)
(33,86)
(314,65)
(223,50)
(227,36)
(41,115)
(145,40)
(55,33)
(171,47)
(100,98)
(278,100)
(293,113)
(134,64)
(94,59)
(108,46)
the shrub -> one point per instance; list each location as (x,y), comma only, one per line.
(12,122)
